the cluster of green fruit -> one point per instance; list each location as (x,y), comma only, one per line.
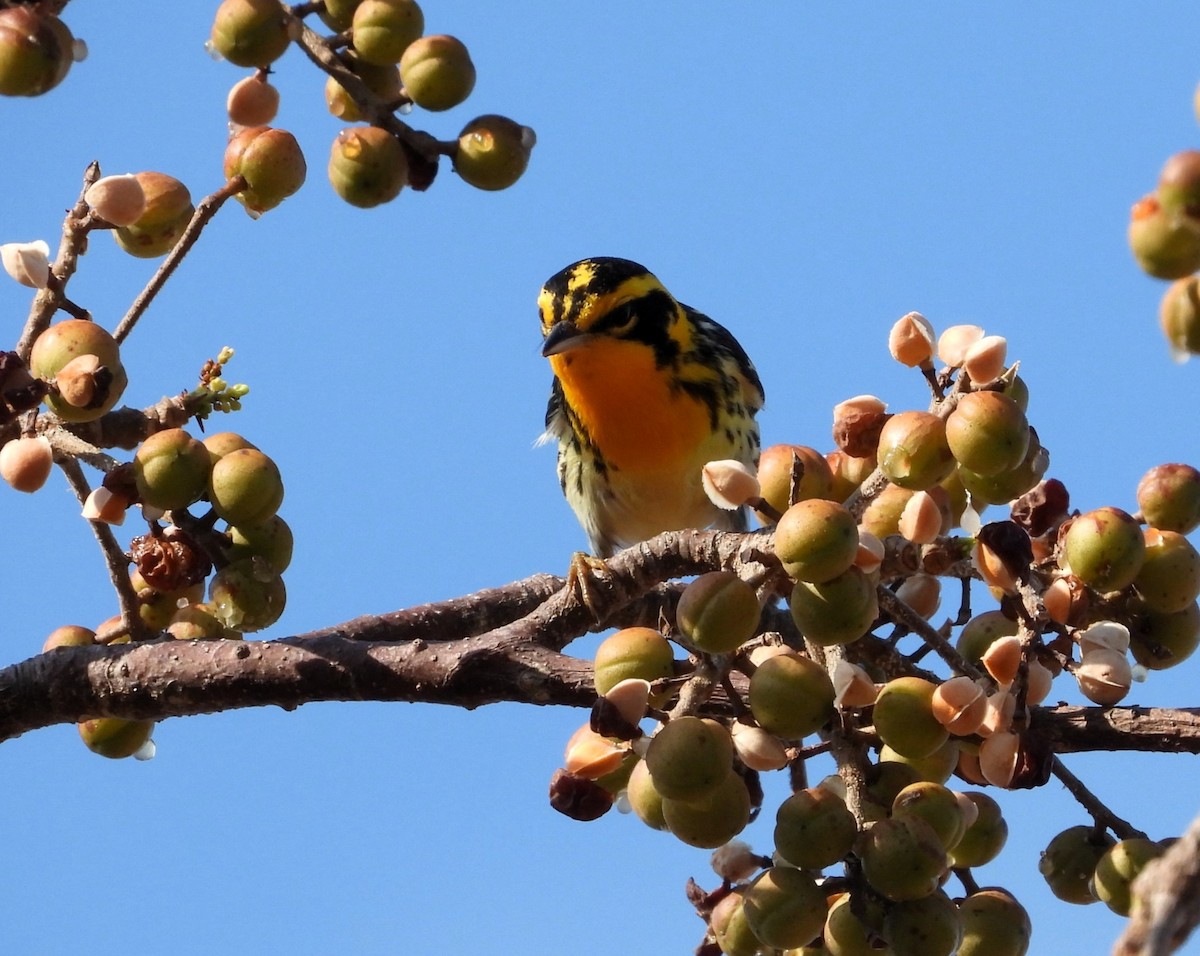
(1164,235)
(78,365)
(1078,593)
(386,50)
(170,472)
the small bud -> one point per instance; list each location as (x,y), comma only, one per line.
(870,552)
(729,484)
(998,758)
(922,593)
(104,505)
(1103,635)
(984,359)
(998,716)
(27,262)
(1104,676)
(591,756)
(25,463)
(735,861)
(1002,659)
(252,101)
(1038,681)
(758,749)
(911,340)
(630,697)
(921,519)
(852,686)
(953,344)
(856,425)
(78,380)
(959,704)
(117,199)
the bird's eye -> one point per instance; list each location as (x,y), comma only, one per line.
(621,320)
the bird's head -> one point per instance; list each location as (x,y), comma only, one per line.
(612,298)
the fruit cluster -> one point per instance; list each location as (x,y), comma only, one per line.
(381,63)
(862,538)
(1164,235)
(173,564)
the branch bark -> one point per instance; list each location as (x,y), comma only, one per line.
(500,644)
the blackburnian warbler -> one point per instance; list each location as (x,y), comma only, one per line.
(646,391)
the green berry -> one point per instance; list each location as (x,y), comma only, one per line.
(1166,247)
(251,32)
(270,161)
(712,820)
(816,540)
(784,908)
(913,452)
(115,737)
(245,487)
(791,696)
(61,344)
(383,29)
(633,652)
(993,924)
(367,166)
(247,595)
(1104,549)
(271,540)
(166,215)
(1070,859)
(1169,497)
(1117,870)
(837,611)
(689,758)
(493,152)
(35,51)
(1179,315)
(904,717)
(718,612)
(814,829)
(171,469)
(437,72)
(988,433)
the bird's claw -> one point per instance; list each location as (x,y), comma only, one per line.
(584,577)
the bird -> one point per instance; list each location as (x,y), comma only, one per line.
(646,390)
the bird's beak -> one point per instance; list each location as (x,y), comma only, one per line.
(562,337)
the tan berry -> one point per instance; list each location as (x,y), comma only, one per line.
(25,463)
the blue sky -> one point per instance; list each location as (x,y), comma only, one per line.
(805,173)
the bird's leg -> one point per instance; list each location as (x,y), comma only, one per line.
(585,576)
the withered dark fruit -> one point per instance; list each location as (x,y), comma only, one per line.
(170,560)
(578,797)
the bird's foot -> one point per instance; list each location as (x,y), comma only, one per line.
(585,578)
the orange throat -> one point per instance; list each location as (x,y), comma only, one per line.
(628,407)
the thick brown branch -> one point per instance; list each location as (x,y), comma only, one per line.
(1082,729)
(180,678)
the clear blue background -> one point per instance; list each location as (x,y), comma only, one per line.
(806,173)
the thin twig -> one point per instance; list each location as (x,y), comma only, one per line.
(73,244)
(1103,816)
(901,613)
(115,557)
(374,109)
(205,210)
